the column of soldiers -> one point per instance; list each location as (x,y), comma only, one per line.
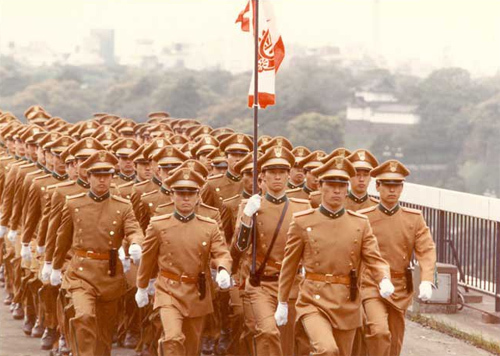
(149,235)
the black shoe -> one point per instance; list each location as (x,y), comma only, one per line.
(8,299)
(49,338)
(131,341)
(29,322)
(207,345)
(223,343)
(37,330)
(18,312)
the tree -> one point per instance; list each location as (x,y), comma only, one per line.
(316,131)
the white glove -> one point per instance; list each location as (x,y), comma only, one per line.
(40,250)
(55,277)
(223,279)
(12,235)
(386,288)
(125,260)
(281,315)
(3,231)
(135,251)
(26,252)
(253,205)
(425,291)
(46,271)
(141,297)
(151,287)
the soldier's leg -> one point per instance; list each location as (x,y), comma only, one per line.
(320,334)
(192,329)
(172,342)
(9,272)
(106,323)
(83,326)
(397,328)
(247,336)
(267,337)
(236,321)
(378,335)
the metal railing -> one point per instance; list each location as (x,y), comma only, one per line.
(466,231)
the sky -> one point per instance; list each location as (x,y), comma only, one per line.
(467,32)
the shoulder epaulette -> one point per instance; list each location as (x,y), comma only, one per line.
(293,190)
(113,185)
(303,213)
(165,204)
(42,177)
(34,173)
(206,206)
(374,200)
(316,192)
(410,210)
(220,175)
(161,217)
(230,199)
(141,183)
(149,193)
(358,214)
(367,210)
(62,184)
(70,197)
(120,199)
(300,201)
(27,165)
(5,158)
(128,184)
(204,218)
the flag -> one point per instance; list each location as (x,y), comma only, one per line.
(271,50)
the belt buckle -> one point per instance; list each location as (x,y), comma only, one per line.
(88,254)
(183,278)
(329,278)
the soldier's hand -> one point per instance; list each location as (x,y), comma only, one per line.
(40,250)
(141,297)
(135,251)
(3,231)
(253,205)
(55,277)
(26,252)
(125,260)
(386,288)
(46,270)
(425,291)
(151,287)
(12,235)
(223,279)
(281,315)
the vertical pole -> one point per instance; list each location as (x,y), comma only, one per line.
(255,125)
(497,269)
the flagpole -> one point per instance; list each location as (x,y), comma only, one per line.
(255,126)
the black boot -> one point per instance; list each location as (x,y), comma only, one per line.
(49,338)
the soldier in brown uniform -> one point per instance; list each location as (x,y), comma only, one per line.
(311,183)
(401,232)
(205,145)
(218,162)
(123,149)
(329,307)
(181,294)
(143,172)
(297,175)
(273,214)
(220,187)
(95,276)
(363,161)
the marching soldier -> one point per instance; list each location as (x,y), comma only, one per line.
(218,162)
(273,214)
(123,149)
(401,232)
(143,172)
(358,198)
(311,183)
(182,296)
(297,174)
(94,277)
(329,307)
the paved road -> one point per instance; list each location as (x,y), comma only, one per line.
(419,341)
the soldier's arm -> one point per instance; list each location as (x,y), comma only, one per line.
(44,224)
(226,216)
(425,251)
(133,232)
(64,238)
(32,214)
(56,207)
(18,203)
(149,259)
(293,254)
(8,196)
(370,255)
(219,252)
(208,195)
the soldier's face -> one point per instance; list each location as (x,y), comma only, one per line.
(333,195)
(233,158)
(47,158)
(312,181)
(275,180)
(32,152)
(126,165)
(82,172)
(389,193)
(297,175)
(185,201)
(219,170)
(360,182)
(247,180)
(20,148)
(58,164)
(71,170)
(144,171)
(204,160)
(100,183)
(41,155)
(164,172)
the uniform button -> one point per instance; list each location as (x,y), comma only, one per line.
(317,296)
(118,211)
(78,220)
(170,253)
(111,233)
(261,234)
(264,245)
(170,263)
(204,243)
(114,222)
(317,263)
(80,230)
(110,243)
(80,269)
(355,241)
(316,252)
(217,189)
(77,210)
(150,204)
(404,257)
(308,229)
(220,198)
(352,253)
(172,282)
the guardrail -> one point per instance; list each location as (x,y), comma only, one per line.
(466,230)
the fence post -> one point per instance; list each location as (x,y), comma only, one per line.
(497,269)
(441,238)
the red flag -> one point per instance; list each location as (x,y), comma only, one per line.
(271,51)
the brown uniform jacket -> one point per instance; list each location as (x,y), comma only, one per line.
(400,232)
(9,190)
(229,214)
(149,202)
(20,193)
(4,162)
(355,204)
(315,199)
(138,190)
(126,189)
(220,187)
(182,248)
(299,193)
(334,244)
(95,224)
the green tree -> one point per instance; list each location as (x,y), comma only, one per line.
(316,131)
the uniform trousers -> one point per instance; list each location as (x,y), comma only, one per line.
(385,328)
(91,329)
(324,339)
(181,335)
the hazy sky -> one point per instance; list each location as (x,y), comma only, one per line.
(468,31)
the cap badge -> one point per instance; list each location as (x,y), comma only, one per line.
(89,143)
(129,143)
(277,151)
(170,151)
(279,141)
(208,140)
(102,156)
(341,152)
(393,167)
(160,143)
(239,138)
(53,137)
(300,152)
(362,155)
(89,124)
(186,175)
(65,141)
(190,164)
(206,129)
(339,162)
